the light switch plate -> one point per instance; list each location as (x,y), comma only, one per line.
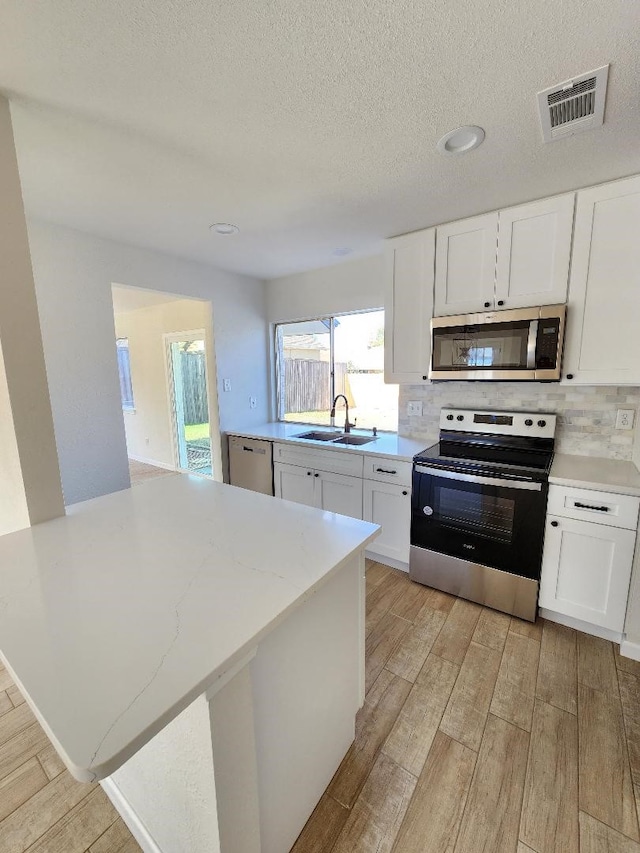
(625,418)
(253,402)
(414,407)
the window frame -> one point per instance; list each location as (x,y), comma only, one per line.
(127,405)
(279,373)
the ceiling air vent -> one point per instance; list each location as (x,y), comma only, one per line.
(573,106)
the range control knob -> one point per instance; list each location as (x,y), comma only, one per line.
(528,422)
(460,417)
(449,417)
(542,423)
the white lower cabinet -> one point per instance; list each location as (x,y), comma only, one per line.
(339,493)
(333,481)
(389,506)
(294,484)
(586,566)
(322,489)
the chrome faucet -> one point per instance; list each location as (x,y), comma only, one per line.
(347,425)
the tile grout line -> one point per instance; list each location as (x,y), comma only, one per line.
(626,743)
(530,749)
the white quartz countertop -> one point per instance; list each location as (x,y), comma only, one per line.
(385,444)
(592,472)
(116,617)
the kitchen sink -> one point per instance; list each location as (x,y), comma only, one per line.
(354,439)
(319,436)
(335,437)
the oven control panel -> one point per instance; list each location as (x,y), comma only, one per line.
(537,424)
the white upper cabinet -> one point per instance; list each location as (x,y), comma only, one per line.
(408,306)
(534,249)
(516,258)
(465,265)
(603,320)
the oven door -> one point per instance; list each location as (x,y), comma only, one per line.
(481,519)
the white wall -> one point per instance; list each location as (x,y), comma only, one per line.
(169,785)
(30,488)
(73,274)
(149,428)
(350,286)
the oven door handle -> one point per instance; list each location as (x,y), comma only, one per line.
(476,478)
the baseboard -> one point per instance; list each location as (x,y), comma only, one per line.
(630,650)
(387,561)
(153,462)
(579,625)
(137,828)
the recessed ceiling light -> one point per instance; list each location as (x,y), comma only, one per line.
(461,140)
(342,251)
(225,229)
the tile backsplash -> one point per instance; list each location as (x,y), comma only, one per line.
(586,414)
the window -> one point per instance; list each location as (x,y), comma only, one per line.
(317,359)
(124,372)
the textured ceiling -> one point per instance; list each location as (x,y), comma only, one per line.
(312,125)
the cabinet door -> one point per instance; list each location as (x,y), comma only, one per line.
(466,265)
(603,344)
(409,267)
(294,484)
(389,506)
(586,570)
(339,493)
(534,248)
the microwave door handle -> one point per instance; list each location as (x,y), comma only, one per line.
(531,345)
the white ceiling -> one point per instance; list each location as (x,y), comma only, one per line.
(312,125)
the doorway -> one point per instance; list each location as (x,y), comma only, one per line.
(188,387)
(164,429)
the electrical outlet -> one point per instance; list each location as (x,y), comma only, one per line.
(414,407)
(146,441)
(253,402)
(226,385)
(625,418)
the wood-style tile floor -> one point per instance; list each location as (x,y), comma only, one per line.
(43,809)
(479,734)
(483,734)
(140,472)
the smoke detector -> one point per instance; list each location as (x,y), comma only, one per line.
(573,106)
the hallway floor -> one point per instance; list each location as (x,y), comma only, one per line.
(140,472)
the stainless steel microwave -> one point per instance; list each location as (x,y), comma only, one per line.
(524,344)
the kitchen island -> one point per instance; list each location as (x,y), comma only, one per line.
(199,648)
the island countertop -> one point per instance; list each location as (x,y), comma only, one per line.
(114,618)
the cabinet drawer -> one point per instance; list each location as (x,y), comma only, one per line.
(387,469)
(334,461)
(594,506)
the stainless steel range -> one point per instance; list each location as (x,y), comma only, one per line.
(478,507)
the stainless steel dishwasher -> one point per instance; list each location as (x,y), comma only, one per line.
(251,464)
